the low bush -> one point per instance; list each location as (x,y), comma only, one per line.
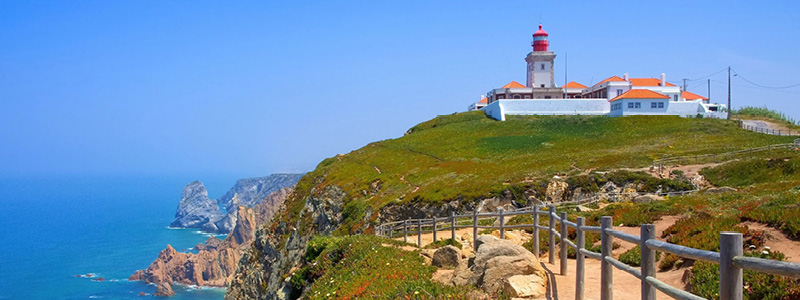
(442,243)
(633,257)
(704,280)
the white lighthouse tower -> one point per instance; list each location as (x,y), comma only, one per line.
(540,62)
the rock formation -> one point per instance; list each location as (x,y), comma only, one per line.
(501,265)
(250,191)
(195,209)
(215,262)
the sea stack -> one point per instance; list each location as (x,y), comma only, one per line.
(196,210)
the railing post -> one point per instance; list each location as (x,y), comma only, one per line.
(419,233)
(502,224)
(405,231)
(453,225)
(648,232)
(564,247)
(579,259)
(434,229)
(730,276)
(536,230)
(606,240)
(475,230)
(552,237)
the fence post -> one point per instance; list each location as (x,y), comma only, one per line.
(730,276)
(579,259)
(536,230)
(715,158)
(475,230)
(551,245)
(502,224)
(434,229)
(564,247)
(769,148)
(695,159)
(419,233)
(453,225)
(648,232)
(405,231)
(606,240)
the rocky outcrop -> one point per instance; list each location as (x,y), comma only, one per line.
(216,260)
(496,265)
(276,249)
(195,209)
(251,191)
(164,289)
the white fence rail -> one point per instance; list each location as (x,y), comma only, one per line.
(731,258)
(662,164)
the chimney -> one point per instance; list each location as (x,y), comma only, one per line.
(625,76)
(663,79)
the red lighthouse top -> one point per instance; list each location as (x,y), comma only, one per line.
(540,42)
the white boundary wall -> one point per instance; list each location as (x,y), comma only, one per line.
(498,109)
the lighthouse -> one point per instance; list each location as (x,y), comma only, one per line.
(540,62)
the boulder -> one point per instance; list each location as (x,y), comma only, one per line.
(525,286)
(724,189)
(495,262)
(164,289)
(647,198)
(447,257)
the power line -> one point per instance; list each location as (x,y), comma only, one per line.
(764,86)
(712,74)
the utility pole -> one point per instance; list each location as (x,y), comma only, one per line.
(684,83)
(565,75)
(709,90)
(730,111)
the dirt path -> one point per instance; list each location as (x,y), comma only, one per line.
(767,125)
(779,241)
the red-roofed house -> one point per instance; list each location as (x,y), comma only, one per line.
(689,96)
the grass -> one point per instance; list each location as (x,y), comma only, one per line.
(752,112)
(361,267)
(468,156)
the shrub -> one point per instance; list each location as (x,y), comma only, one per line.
(633,257)
(704,280)
(442,243)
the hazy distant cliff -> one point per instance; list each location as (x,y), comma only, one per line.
(196,210)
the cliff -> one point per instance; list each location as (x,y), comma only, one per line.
(464,161)
(196,210)
(215,262)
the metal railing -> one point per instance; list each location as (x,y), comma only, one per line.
(661,164)
(731,258)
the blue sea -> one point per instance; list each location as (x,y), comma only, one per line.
(54,228)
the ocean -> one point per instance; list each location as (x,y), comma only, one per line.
(54,228)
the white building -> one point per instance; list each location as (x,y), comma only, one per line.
(614,96)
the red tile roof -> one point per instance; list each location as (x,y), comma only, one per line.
(483,100)
(647,82)
(574,85)
(640,94)
(691,96)
(513,84)
(612,78)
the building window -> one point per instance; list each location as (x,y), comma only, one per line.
(619,92)
(630,104)
(542,66)
(637,104)
(501,96)
(542,84)
(548,97)
(517,97)
(660,104)
(653,105)
(676,97)
(527,96)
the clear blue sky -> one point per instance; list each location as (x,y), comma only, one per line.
(251,88)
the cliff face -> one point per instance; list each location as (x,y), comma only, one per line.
(195,209)
(260,274)
(251,191)
(215,262)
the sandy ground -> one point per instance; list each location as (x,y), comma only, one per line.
(779,241)
(562,286)
(767,125)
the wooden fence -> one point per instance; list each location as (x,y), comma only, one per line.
(730,259)
(769,131)
(661,164)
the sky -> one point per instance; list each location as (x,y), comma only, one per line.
(249,88)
